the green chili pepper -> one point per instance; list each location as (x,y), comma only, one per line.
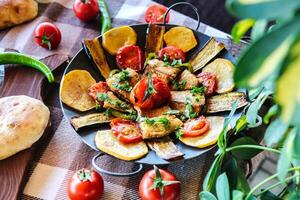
(105,18)
(21,59)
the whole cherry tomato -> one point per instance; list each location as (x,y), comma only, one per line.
(155,14)
(158,184)
(130,56)
(172,53)
(47,35)
(85,185)
(86,10)
(195,127)
(150,92)
(209,81)
(126,131)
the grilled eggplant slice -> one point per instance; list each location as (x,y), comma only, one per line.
(223,102)
(180,100)
(91,119)
(223,69)
(162,71)
(107,142)
(95,51)
(165,148)
(207,53)
(157,127)
(185,81)
(154,112)
(121,83)
(210,137)
(154,40)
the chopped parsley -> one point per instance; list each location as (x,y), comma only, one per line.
(178,132)
(179,85)
(189,110)
(98,107)
(115,102)
(172,112)
(162,120)
(150,87)
(122,81)
(149,57)
(177,63)
(198,90)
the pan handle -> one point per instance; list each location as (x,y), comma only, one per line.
(103,171)
(179,4)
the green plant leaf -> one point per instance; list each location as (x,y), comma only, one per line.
(273,111)
(242,183)
(259,29)
(230,167)
(287,92)
(244,153)
(285,158)
(241,124)
(297,144)
(222,187)
(269,196)
(275,132)
(241,28)
(262,9)
(237,195)
(262,61)
(213,173)
(205,195)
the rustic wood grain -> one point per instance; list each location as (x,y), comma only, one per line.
(22,81)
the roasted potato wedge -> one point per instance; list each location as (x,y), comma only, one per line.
(206,54)
(165,148)
(209,138)
(154,39)
(223,102)
(118,37)
(96,52)
(181,37)
(74,90)
(223,69)
(89,120)
(159,126)
(107,142)
(185,81)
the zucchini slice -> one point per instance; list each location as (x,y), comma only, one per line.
(165,148)
(223,102)
(211,49)
(154,39)
(96,52)
(91,119)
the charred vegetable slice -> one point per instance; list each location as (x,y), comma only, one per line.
(223,102)
(74,90)
(181,37)
(157,127)
(210,137)
(154,39)
(165,148)
(223,69)
(96,52)
(127,115)
(91,119)
(107,142)
(185,81)
(153,112)
(207,53)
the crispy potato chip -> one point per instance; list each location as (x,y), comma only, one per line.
(209,138)
(118,37)
(107,142)
(74,90)
(181,37)
(223,69)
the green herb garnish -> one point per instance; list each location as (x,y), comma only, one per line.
(189,110)
(115,102)
(162,120)
(178,132)
(179,85)
(122,81)
(150,87)
(149,57)
(198,90)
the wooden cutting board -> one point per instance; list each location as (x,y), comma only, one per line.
(24,81)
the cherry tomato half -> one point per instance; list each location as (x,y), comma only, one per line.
(130,56)
(47,35)
(195,127)
(160,96)
(155,14)
(173,53)
(209,81)
(171,192)
(126,131)
(100,87)
(85,185)
(86,10)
